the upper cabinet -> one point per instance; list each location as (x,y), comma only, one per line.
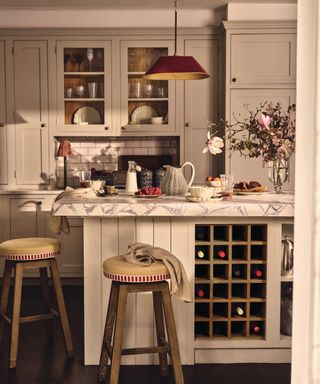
(84,87)
(146,105)
(31,112)
(3,122)
(257,59)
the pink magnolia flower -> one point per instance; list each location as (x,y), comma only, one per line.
(214,144)
(264,120)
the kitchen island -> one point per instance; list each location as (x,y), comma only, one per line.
(248,229)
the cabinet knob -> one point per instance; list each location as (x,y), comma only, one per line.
(123,128)
(2,125)
(107,128)
(39,203)
(234,79)
(43,125)
(187,124)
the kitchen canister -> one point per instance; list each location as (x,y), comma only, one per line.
(159,176)
(145,178)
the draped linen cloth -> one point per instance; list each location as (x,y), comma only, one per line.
(145,254)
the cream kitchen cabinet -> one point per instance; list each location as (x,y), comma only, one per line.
(28,216)
(268,58)
(84,70)
(201,103)
(260,67)
(143,99)
(31,112)
(3,120)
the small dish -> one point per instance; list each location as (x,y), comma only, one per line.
(143,115)
(86,115)
(148,196)
(201,192)
(199,200)
(248,193)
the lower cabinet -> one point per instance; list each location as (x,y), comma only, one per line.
(29,217)
(234,265)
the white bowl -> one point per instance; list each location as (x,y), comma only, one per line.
(201,192)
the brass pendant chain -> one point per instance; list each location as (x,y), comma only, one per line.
(175,27)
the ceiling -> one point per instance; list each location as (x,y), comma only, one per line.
(126,4)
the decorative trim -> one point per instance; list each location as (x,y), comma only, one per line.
(137,278)
(32,256)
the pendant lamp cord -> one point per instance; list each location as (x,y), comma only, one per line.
(175,27)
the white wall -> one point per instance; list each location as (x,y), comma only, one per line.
(108,18)
(256,12)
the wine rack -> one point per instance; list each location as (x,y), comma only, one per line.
(230,280)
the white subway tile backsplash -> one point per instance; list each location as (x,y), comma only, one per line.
(103,154)
(140,151)
(133,143)
(87,144)
(80,151)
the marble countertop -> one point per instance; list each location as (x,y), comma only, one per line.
(30,191)
(268,204)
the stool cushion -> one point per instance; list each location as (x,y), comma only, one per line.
(116,268)
(34,248)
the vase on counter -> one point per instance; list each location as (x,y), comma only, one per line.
(278,171)
(159,176)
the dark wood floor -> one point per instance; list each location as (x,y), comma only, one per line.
(42,363)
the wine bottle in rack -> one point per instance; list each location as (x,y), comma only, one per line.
(201,292)
(221,254)
(239,311)
(257,273)
(200,254)
(237,271)
(255,329)
(201,233)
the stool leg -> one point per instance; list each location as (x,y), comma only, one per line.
(172,335)
(15,322)
(161,337)
(108,331)
(5,295)
(46,300)
(118,334)
(61,307)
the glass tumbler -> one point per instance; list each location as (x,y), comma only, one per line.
(227,183)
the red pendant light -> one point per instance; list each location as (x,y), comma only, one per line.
(176,67)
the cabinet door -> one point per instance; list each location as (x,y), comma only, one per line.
(246,169)
(27,218)
(70,260)
(31,112)
(84,87)
(201,105)
(3,127)
(141,99)
(263,59)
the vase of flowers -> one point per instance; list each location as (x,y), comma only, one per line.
(267,132)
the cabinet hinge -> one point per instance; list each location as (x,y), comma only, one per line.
(15,174)
(13,50)
(55,49)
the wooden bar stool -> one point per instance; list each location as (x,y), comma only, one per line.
(31,253)
(127,278)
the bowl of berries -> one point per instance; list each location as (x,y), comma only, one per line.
(149,192)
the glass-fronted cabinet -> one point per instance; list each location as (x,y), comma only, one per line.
(146,105)
(84,86)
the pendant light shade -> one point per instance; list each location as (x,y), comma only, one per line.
(176,67)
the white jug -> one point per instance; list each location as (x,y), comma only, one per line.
(174,182)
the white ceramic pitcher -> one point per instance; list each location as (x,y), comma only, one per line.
(174,182)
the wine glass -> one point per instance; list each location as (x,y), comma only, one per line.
(66,58)
(79,57)
(99,55)
(90,55)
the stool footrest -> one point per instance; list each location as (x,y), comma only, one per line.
(143,350)
(32,318)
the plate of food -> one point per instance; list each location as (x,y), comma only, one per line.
(143,115)
(149,193)
(251,188)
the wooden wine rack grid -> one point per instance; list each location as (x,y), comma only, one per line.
(245,248)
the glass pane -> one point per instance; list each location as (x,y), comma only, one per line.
(147,99)
(84,85)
